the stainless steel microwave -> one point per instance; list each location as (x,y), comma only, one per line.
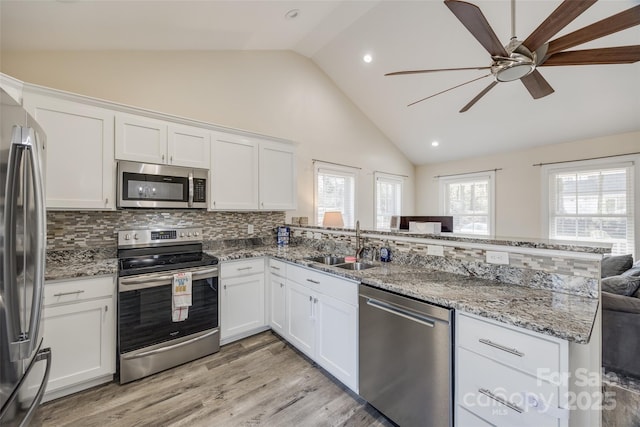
(144,185)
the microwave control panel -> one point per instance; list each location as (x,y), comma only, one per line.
(199,190)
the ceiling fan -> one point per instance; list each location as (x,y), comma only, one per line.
(519,60)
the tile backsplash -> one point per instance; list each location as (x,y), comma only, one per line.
(68,230)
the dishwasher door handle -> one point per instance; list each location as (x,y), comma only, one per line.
(423,320)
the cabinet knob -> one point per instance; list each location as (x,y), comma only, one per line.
(315,300)
(171,159)
(282,285)
(106,201)
(106,308)
(225,287)
(163,157)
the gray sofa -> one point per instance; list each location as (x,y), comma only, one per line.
(621,315)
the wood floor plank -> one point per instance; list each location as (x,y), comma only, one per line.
(258,381)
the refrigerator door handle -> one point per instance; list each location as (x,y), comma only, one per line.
(44,354)
(23,343)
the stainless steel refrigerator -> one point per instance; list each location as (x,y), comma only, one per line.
(22,259)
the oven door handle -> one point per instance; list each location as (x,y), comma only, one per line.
(169,347)
(151,281)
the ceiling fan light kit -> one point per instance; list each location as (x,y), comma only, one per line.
(519,60)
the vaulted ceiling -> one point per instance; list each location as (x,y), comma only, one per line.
(589,101)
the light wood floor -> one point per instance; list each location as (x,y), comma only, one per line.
(259,381)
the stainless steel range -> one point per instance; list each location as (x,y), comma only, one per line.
(150,337)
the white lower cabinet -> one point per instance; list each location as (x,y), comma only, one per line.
(508,376)
(277,296)
(79,325)
(322,321)
(242,299)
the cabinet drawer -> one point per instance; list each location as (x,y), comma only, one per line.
(342,289)
(496,393)
(57,292)
(242,268)
(525,350)
(277,267)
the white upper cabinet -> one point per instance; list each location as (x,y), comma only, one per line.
(80,167)
(277,176)
(234,173)
(251,174)
(189,146)
(143,139)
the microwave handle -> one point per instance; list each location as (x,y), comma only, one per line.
(190,189)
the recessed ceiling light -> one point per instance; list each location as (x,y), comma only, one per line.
(435,143)
(292,14)
(367,58)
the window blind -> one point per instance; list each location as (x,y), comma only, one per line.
(335,191)
(388,199)
(469,199)
(593,204)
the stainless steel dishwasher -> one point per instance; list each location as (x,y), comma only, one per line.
(406,358)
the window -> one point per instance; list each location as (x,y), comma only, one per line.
(388,200)
(469,199)
(592,201)
(335,191)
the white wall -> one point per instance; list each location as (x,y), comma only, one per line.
(518,184)
(277,93)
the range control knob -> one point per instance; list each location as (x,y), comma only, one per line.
(196,234)
(189,234)
(181,234)
(135,236)
(127,237)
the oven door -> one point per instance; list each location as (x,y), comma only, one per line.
(144,308)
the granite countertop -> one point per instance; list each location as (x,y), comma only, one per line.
(561,315)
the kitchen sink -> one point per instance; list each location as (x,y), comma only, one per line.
(356,266)
(328,260)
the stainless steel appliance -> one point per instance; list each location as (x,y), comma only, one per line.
(23,240)
(149,341)
(143,185)
(406,358)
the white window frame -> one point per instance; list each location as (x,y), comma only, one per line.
(339,170)
(391,178)
(604,163)
(490,176)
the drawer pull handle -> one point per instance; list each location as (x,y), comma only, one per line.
(313,281)
(275,268)
(501,347)
(245,268)
(501,400)
(61,294)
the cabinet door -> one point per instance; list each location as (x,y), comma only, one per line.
(242,305)
(277,176)
(278,306)
(337,339)
(189,146)
(300,318)
(82,341)
(80,167)
(234,173)
(141,139)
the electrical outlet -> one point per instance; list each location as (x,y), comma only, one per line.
(250,228)
(435,250)
(494,257)
(317,236)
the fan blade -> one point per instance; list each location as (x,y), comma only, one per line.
(447,90)
(607,55)
(537,86)
(401,73)
(559,18)
(474,21)
(621,21)
(478,96)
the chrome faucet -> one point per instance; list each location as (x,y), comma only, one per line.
(359,245)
